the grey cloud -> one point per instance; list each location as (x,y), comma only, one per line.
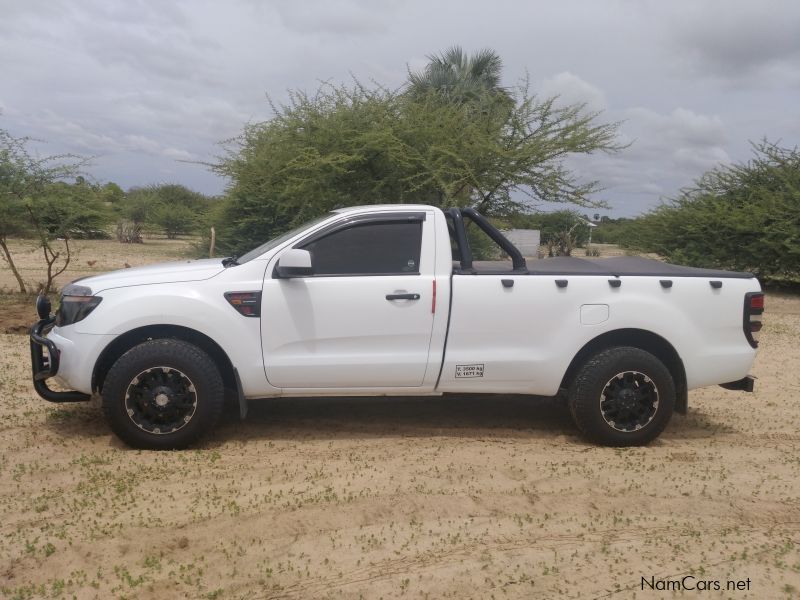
(737,40)
(151,55)
(700,160)
(144,84)
(83,139)
(681,126)
(347,17)
(667,152)
(571,89)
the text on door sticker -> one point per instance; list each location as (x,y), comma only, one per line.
(469,370)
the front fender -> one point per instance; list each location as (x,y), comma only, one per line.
(199,308)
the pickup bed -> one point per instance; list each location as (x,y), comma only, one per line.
(390,300)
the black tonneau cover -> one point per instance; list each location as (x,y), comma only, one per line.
(615,266)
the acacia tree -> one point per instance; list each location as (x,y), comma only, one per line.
(12,223)
(22,176)
(358,145)
(172,207)
(181,209)
(59,213)
(743,216)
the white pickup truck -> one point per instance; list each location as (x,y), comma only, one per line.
(387,300)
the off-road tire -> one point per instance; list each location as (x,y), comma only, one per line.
(591,382)
(192,365)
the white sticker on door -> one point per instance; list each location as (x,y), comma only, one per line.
(469,370)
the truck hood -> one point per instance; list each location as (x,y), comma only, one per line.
(171,272)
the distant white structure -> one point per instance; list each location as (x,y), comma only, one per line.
(526,240)
(591,226)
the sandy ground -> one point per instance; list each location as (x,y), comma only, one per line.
(458,497)
(490,497)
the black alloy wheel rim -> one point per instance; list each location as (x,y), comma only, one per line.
(161,400)
(629,401)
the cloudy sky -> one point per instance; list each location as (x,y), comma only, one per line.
(145,85)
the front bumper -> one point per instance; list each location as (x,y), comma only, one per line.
(46,365)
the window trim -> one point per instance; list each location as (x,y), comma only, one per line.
(358,221)
(371,218)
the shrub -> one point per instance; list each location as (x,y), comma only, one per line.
(175,220)
(743,217)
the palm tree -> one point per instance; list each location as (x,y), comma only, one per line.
(459,77)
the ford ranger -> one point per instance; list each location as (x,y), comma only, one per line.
(392,300)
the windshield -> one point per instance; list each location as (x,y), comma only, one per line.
(266,246)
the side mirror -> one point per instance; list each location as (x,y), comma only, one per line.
(294,263)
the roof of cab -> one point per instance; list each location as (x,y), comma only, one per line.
(384,207)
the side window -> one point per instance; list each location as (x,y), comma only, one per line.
(369,249)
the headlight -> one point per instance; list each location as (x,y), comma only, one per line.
(77,303)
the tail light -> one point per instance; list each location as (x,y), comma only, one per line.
(753,309)
(247,303)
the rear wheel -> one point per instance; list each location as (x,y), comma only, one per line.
(163,394)
(622,396)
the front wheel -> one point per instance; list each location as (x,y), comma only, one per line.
(163,394)
(622,396)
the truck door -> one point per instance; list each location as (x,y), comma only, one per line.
(364,318)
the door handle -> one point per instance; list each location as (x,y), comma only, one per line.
(402,296)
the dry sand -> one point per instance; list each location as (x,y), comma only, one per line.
(458,497)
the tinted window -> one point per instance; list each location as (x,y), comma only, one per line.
(369,249)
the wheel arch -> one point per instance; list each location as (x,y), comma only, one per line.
(644,340)
(122,343)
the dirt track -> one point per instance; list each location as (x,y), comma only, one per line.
(454,497)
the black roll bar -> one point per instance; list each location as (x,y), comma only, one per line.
(461,238)
(518,261)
